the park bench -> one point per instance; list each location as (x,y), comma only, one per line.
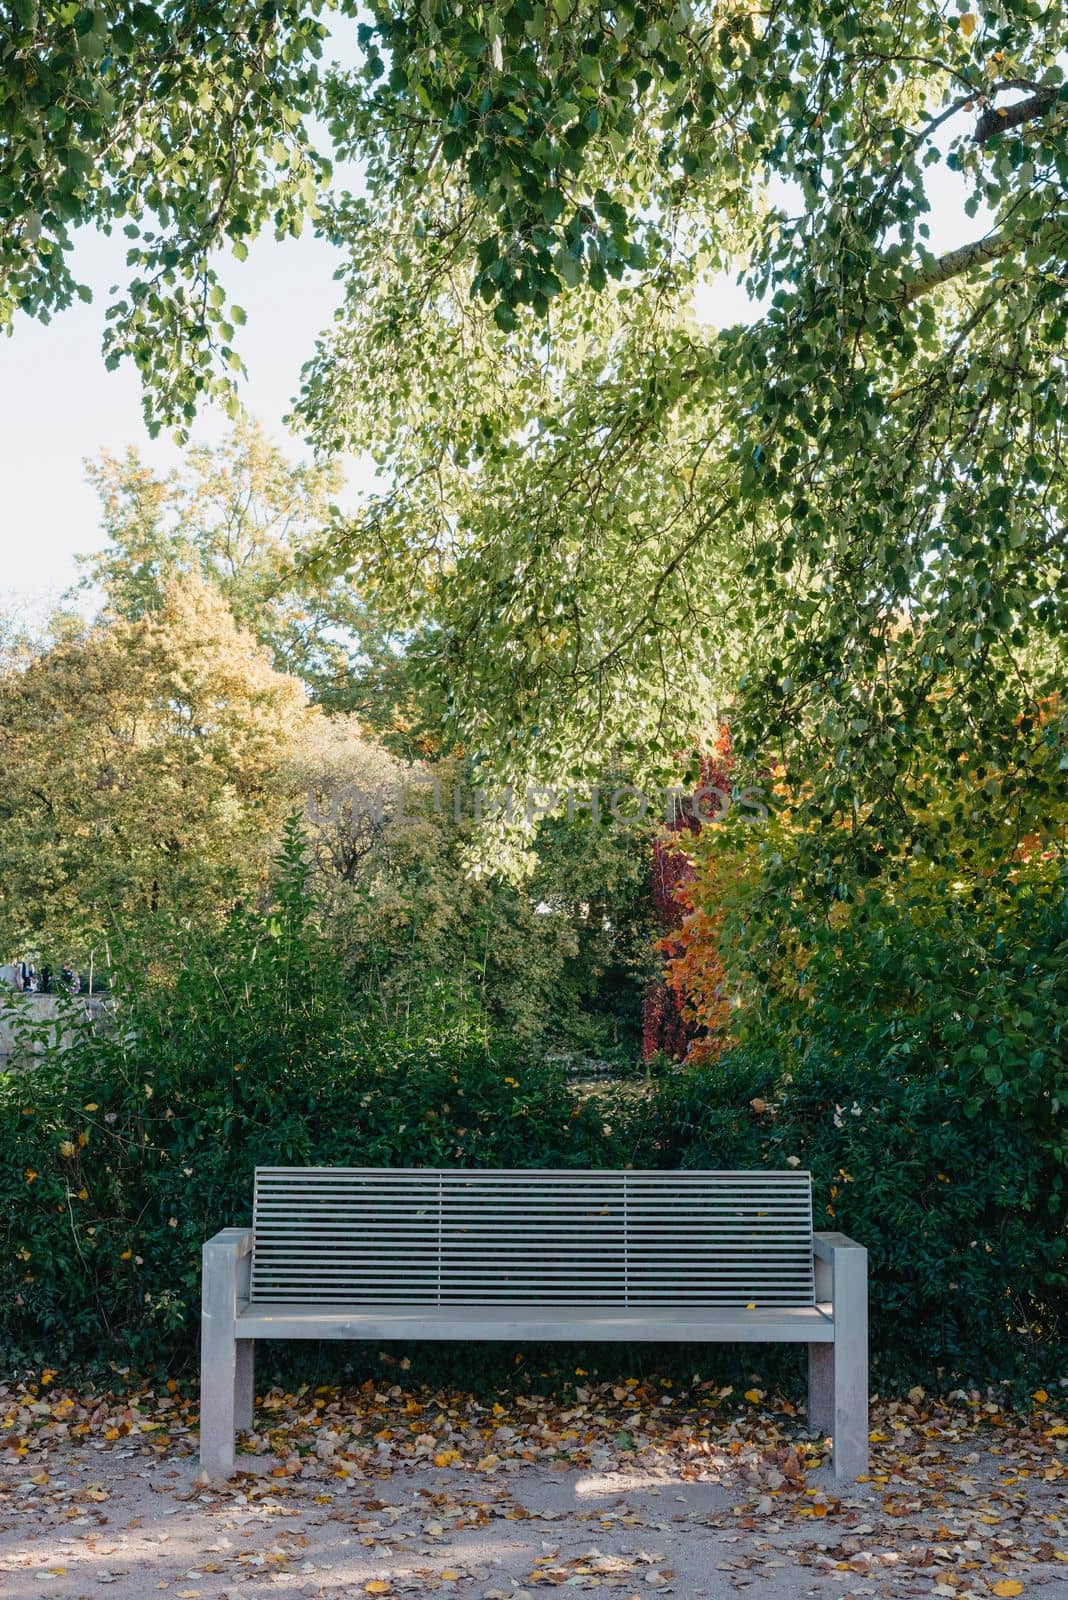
(379,1254)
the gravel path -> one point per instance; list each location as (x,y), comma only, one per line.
(85,1515)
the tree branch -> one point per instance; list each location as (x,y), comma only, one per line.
(999,119)
(980,253)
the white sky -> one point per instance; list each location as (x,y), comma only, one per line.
(59,405)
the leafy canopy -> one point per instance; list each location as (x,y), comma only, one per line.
(142,772)
(183,125)
(842,524)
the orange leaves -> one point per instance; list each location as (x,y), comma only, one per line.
(940,1510)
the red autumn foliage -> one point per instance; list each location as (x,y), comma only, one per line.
(684,1013)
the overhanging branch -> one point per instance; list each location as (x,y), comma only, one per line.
(980,253)
(999,119)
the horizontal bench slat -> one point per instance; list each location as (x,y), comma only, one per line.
(503,1237)
(508,1175)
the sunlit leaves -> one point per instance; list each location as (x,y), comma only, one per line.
(182,124)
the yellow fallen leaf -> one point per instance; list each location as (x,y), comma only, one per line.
(1059,1432)
(754,1396)
(96,1494)
(444,1458)
(449,1574)
(1040,1395)
(1006,1587)
(376,1586)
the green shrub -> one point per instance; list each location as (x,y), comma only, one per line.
(124,1153)
(116,1176)
(962,1211)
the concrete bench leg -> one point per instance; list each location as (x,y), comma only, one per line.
(820,1389)
(245,1385)
(838,1372)
(226,1363)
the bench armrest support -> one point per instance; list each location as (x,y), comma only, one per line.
(226,1370)
(838,1373)
(239,1240)
(825,1244)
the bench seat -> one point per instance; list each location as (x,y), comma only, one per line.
(379,1254)
(659,1324)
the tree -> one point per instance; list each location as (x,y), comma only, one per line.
(183,125)
(240,516)
(142,770)
(554,952)
(842,523)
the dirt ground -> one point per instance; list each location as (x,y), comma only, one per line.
(947,1512)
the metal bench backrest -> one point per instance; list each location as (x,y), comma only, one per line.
(394,1236)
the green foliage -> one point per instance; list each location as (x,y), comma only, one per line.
(610,523)
(142,770)
(954,970)
(962,1208)
(961,983)
(241,516)
(554,956)
(181,124)
(124,1153)
(128,1151)
(841,525)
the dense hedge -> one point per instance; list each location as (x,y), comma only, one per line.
(964,1216)
(123,1153)
(113,1180)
